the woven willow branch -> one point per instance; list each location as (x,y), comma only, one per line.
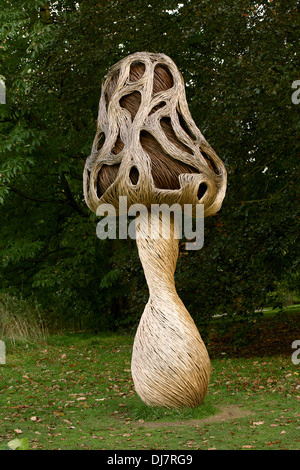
(170,364)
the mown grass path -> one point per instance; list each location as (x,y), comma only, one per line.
(76,392)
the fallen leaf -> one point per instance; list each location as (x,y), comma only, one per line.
(18,444)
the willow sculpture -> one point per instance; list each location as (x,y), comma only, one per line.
(148,148)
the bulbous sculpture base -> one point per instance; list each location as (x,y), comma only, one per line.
(170,364)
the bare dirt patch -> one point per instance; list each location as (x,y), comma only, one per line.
(226,413)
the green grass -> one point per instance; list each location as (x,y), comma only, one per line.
(270,312)
(75,391)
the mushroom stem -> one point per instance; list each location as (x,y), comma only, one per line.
(170,364)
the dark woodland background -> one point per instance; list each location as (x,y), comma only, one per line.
(239,60)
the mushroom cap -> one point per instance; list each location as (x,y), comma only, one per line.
(156,154)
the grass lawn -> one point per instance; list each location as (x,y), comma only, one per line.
(75,391)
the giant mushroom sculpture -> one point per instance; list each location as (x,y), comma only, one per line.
(148,148)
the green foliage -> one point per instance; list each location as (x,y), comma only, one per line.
(238,61)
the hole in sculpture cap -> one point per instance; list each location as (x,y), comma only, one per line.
(88,174)
(118,147)
(131,102)
(201,190)
(162,79)
(210,162)
(134,175)
(106,176)
(137,70)
(100,141)
(157,107)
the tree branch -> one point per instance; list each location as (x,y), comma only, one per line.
(69,196)
(27,196)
